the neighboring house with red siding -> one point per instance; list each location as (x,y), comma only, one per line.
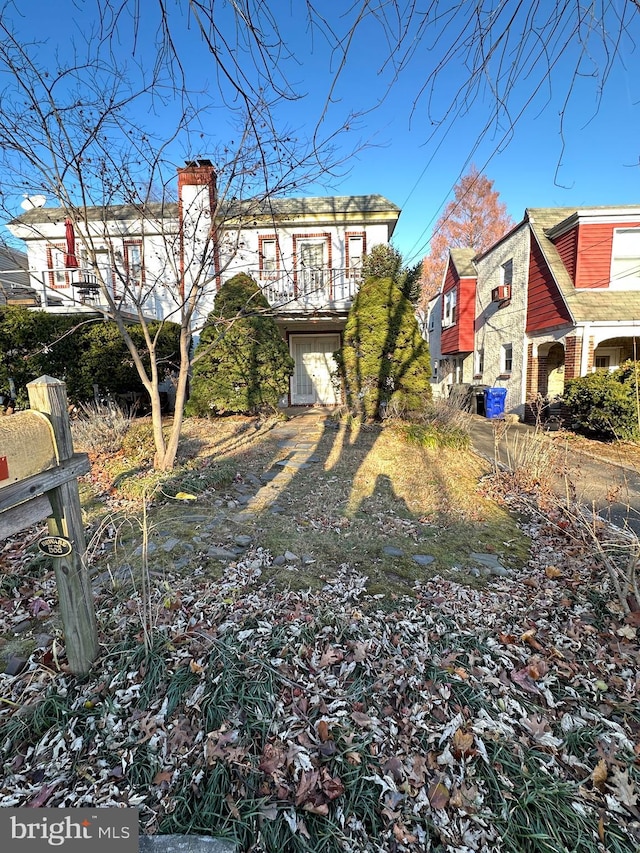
(556,298)
(450,320)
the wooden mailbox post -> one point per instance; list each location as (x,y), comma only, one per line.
(38,479)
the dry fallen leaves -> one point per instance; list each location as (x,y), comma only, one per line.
(462,743)
(355,690)
(553,572)
(600,774)
(438,795)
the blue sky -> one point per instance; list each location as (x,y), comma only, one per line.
(400,152)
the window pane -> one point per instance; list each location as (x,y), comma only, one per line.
(626,269)
(626,241)
(312,254)
(58,263)
(269,255)
(625,264)
(133,262)
(506,358)
(355,252)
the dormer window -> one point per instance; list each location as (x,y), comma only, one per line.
(625,259)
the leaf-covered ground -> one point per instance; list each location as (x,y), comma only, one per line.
(501,717)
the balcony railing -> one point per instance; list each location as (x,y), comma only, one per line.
(318,287)
(76,286)
(307,289)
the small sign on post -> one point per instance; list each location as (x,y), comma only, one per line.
(55,546)
(41,481)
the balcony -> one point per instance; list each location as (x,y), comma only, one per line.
(75,288)
(319,288)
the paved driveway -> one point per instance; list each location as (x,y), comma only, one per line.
(614,489)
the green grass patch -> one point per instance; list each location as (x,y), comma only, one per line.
(434,435)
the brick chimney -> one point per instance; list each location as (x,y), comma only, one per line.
(197,173)
(197,199)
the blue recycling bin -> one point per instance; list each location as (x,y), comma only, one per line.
(494,399)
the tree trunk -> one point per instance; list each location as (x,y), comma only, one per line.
(171,449)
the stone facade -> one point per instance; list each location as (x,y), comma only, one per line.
(500,325)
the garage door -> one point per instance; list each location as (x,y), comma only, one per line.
(312,380)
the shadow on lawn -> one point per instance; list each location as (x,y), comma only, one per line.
(339,492)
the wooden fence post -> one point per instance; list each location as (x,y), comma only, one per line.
(49,395)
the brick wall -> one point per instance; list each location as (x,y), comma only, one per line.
(572,353)
(531,385)
(590,355)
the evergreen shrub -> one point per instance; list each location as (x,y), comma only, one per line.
(80,349)
(604,404)
(242,363)
(384,361)
(383,261)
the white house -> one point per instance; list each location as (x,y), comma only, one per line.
(304,253)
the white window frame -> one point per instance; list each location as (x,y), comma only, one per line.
(269,259)
(355,258)
(479,362)
(58,273)
(625,259)
(449,308)
(311,243)
(506,358)
(507,272)
(134,266)
(312,279)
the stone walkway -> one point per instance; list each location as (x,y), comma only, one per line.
(220,530)
(299,436)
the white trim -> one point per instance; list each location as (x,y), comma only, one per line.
(593,217)
(584,355)
(626,281)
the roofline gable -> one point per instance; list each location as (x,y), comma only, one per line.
(594,216)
